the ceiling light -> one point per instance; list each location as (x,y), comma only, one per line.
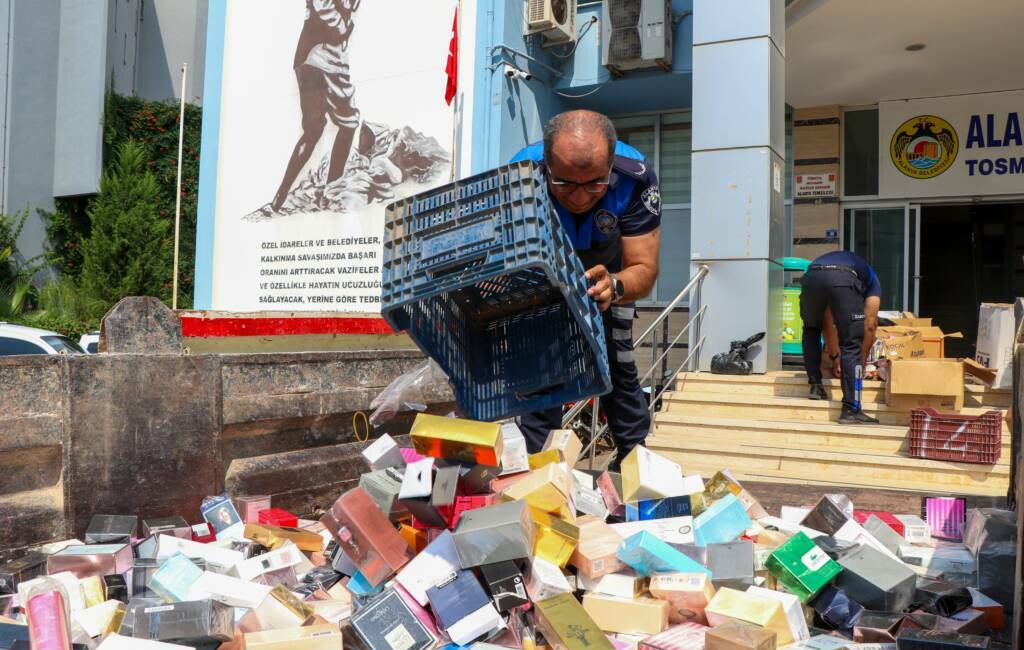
(915,47)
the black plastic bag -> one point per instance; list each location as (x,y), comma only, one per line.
(734,362)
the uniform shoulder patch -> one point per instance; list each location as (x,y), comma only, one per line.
(631,167)
(651,198)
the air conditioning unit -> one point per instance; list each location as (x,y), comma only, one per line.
(636,34)
(555,20)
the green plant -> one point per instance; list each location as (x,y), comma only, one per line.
(63,307)
(129,249)
(12,271)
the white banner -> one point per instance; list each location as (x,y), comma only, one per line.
(330,109)
(968,145)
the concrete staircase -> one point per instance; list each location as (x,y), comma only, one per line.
(763,428)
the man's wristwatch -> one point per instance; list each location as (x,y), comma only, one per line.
(618,290)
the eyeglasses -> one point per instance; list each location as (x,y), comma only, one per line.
(568,187)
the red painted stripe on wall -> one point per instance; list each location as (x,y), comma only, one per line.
(192,327)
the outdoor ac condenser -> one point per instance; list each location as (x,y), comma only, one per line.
(554,19)
(636,34)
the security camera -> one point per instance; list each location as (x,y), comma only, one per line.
(513,72)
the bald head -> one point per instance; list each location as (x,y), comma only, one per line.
(580,138)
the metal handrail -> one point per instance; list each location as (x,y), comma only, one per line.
(697,278)
(692,288)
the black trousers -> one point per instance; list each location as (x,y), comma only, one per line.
(625,406)
(839,290)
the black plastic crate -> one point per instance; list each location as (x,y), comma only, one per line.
(482,276)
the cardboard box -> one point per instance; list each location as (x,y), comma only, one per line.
(383,453)
(875,580)
(802,567)
(174,578)
(111,529)
(92,560)
(900,343)
(514,455)
(595,553)
(743,607)
(435,564)
(624,584)
(938,383)
(191,622)
(677,530)
(995,341)
(793,608)
(731,564)
(647,475)
(463,607)
(685,636)
(566,444)
(627,615)
(282,609)
(724,521)
(23,569)
(506,585)
(734,635)
(932,341)
(544,580)
(687,594)
(556,539)
(567,626)
(231,591)
(314,637)
(366,535)
(388,622)
(274,537)
(494,534)
(548,488)
(456,439)
(647,554)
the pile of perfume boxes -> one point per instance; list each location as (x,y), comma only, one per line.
(466,539)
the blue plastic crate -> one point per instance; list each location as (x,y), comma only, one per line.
(484,279)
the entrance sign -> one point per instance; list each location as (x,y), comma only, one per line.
(814,186)
(967,145)
(315,118)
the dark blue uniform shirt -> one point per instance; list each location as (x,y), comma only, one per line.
(631,207)
(868,280)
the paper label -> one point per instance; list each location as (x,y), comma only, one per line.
(597,565)
(161,608)
(814,559)
(399,638)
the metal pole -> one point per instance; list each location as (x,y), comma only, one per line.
(177,200)
(594,421)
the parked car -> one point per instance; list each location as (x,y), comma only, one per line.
(90,342)
(18,339)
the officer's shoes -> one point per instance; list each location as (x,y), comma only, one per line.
(817,392)
(849,416)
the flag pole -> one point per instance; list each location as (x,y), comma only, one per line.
(177,202)
(457,101)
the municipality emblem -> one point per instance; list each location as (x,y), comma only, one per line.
(924,146)
(606,221)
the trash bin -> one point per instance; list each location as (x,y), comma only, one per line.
(792,324)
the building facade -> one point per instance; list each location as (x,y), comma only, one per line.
(59,58)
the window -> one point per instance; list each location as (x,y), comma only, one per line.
(674,166)
(63,344)
(11,347)
(860,152)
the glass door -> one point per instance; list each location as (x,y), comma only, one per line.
(887,236)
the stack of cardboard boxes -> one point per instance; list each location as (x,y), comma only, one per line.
(465,540)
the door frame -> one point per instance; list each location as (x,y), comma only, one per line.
(910,275)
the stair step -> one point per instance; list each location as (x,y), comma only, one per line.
(767,463)
(790,409)
(679,429)
(794,384)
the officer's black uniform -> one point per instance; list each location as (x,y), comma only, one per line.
(631,207)
(839,280)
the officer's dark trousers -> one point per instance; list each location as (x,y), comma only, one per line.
(625,406)
(838,289)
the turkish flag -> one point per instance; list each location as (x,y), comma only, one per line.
(452,68)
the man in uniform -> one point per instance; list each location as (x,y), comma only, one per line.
(843,284)
(325,89)
(606,196)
